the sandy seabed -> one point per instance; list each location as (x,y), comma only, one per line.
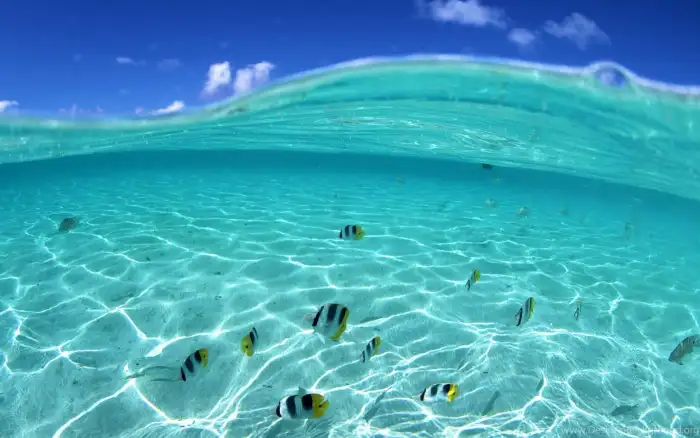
(164,263)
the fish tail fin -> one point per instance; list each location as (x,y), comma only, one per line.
(339,333)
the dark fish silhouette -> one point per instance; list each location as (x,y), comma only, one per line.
(540,384)
(624,410)
(486,166)
(684,348)
(68,224)
(375,406)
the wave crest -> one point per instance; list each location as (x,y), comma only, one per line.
(591,71)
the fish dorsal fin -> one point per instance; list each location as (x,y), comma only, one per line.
(302,391)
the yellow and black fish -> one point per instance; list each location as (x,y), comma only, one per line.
(440,392)
(302,407)
(351,232)
(190,367)
(577,313)
(525,312)
(476,275)
(331,320)
(194,362)
(371,349)
(248,342)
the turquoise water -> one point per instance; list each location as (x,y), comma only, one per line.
(194,229)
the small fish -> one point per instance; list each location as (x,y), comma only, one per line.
(523,212)
(624,410)
(190,367)
(351,232)
(248,342)
(525,313)
(540,385)
(577,313)
(491,203)
(331,320)
(439,392)
(476,275)
(684,349)
(486,166)
(371,349)
(302,407)
(68,224)
(375,406)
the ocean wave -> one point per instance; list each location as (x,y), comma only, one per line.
(599,121)
(192,113)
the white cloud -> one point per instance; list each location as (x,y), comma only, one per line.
(5,104)
(522,38)
(125,60)
(219,75)
(244,80)
(252,76)
(174,107)
(169,64)
(577,28)
(467,12)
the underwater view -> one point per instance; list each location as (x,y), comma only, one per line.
(407,247)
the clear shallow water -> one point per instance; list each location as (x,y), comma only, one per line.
(190,249)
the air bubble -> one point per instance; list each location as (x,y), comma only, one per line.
(611,77)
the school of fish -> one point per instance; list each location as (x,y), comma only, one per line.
(331,321)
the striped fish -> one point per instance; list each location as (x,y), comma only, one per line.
(194,363)
(351,232)
(525,312)
(371,349)
(331,320)
(248,342)
(439,392)
(302,407)
(476,275)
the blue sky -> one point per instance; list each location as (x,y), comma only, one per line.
(86,57)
